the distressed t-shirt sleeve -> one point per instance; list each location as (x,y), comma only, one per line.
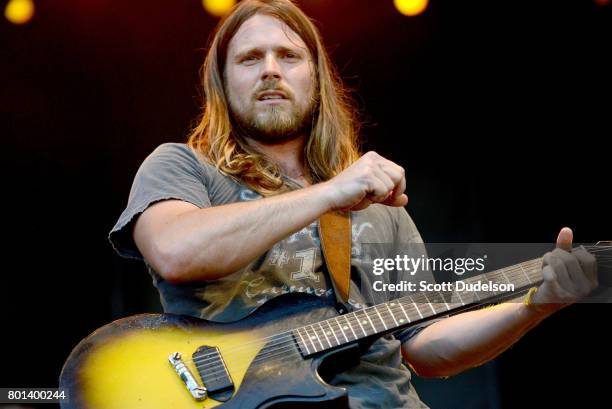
(409,239)
(171,172)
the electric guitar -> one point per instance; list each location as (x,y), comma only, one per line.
(279,356)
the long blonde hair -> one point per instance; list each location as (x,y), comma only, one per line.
(333,142)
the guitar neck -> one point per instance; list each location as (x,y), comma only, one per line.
(380,319)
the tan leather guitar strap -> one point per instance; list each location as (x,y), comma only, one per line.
(335,232)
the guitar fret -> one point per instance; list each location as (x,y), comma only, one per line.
(312,339)
(513,276)
(341,329)
(526,275)
(333,331)
(381,318)
(434,300)
(444,300)
(476,294)
(404,311)
(371,323)
(506,277)
(428,302)
(317,335)
(415,306)
(460,299)
(535,270)
(351,327)
(359,322)
(391,312)
(325,335)
(303,342)
(473,296)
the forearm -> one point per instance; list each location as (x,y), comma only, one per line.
(470,339)
(209,243)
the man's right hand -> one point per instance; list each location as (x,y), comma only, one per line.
(371,179)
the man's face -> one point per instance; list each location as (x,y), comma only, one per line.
(269,80)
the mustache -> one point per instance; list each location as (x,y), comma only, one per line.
(272,86)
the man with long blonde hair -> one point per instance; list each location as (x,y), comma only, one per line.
(228,221)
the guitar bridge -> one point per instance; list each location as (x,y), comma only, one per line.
(198,392)
(213,372)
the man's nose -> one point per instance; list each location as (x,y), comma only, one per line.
(271,69)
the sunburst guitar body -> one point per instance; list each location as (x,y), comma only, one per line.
(141,362)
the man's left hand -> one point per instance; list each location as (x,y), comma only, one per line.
(569,275)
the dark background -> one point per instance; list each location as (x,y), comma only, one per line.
(499,111)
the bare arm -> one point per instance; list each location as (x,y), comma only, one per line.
(470,339)
(185,243)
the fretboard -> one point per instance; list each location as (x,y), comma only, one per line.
(415,308)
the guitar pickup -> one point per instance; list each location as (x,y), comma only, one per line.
(213,373)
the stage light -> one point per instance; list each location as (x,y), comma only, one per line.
(410,7)
(19,11)
(218,8)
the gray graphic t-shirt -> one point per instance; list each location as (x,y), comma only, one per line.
(294,264)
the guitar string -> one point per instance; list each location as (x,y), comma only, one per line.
(490,276)
(509,270)
(281,353)
(274,355)
(266,355)
(352,320)
(291,341)
(331,323)
(278,354)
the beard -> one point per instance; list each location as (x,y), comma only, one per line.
(274,123)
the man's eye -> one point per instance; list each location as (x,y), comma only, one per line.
(249,58)
(291,55)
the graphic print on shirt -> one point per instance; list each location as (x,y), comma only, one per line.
(278,257)
(357,229)
(260,288)
(307,261)
(306,258)
(291,265)
(310,232)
